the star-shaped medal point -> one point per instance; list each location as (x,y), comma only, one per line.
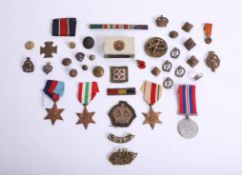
(85,118)
(54,114)
(152,118)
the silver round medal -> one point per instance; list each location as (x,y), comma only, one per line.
(187,128)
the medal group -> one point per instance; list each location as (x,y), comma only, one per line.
(122,114)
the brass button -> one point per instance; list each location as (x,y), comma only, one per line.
(29,45)
(98,71)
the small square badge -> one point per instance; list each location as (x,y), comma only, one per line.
(119,74)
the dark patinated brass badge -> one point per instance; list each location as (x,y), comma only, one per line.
(122,157)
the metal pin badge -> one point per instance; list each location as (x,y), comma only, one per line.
(168,83)
(175,53)
(166,66)
(180,71)
(47,68)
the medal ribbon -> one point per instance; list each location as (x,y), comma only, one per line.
(152,92)
(208,29)
(87,91)
(54,89)
(187,99)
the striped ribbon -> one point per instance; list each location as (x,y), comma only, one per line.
(152,92)
(87,91)
(64,27)
(54,89)
(187,99)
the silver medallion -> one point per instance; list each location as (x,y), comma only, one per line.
(180,71)
(168,83)
(187,128)
(166,66)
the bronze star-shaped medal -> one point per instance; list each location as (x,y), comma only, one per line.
(54,114)
(152,118)
(85,118)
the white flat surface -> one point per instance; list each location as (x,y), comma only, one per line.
(31,146)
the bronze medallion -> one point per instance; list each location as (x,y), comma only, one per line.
(122,157)
(120,140)
(118,45)
(213,61)
(122,114)
(156,47)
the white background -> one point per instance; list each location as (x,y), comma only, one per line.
(29,145)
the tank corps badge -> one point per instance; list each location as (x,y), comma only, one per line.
(122,157)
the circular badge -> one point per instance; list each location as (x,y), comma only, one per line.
(180,71)
(166,66)
(118,45)
(187,128)
(156,47)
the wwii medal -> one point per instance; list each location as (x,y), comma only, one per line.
(54,90)
(187,128)
(152,93)
(86,93)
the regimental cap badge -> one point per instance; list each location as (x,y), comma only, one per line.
(28,65)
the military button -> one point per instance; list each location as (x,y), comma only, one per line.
(29,45)
(187,27)
(155,47)
(84,67)
(73,73)
(173,34)
(72,45)
(92,57)
(118,45)
(155,71)
(80,56)
(98,71)
(66,61)
(88,42)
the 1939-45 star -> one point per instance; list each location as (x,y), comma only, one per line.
(85,118)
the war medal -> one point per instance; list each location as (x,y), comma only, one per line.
(54,89)
(208,27)
(152,93)
(187,106)
(86,93)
